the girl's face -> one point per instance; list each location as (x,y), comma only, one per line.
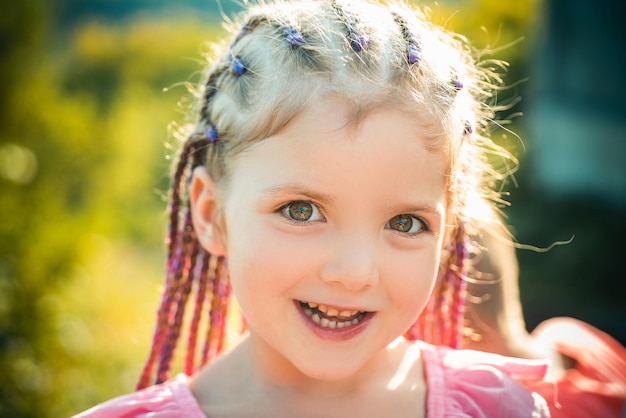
(333,235)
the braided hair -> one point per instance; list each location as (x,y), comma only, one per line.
(282,56)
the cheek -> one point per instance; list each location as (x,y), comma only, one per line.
(412,280)
(264,263)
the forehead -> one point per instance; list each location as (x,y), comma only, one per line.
(381,153)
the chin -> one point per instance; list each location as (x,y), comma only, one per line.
(334,367)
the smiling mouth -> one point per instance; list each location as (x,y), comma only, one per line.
(331,318)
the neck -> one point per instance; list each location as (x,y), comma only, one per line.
(257,382)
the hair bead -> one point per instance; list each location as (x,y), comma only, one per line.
(238,67)
(211,135)
(414,49)
(414,54)
(456,83)
(293,37)
(469,129)
(358,42)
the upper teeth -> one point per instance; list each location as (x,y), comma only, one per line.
(327,317)
(332,311)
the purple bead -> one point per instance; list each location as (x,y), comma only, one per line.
(468,128)
(238,67)
(294,38)
(456,83)
(358,42)
(415,54)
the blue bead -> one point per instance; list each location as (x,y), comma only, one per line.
(293,37)
(238,67)
(211,134)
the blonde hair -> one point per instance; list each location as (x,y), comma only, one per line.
(284,55)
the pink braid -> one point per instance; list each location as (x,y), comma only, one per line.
(189,365)
(441,321)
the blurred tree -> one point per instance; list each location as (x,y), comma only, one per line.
(29,267)
(82,171)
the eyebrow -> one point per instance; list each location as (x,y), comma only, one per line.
(412,208)
(298,189)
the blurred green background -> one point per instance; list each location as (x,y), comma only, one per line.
(89,88)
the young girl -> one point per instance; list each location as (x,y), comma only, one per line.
(330,177)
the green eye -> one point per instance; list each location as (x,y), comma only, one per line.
(300,211)
(406,223)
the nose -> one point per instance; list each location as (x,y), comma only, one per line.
(352,262)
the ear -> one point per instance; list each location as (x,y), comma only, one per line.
(204,212)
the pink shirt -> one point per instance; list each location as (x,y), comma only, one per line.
(461,383)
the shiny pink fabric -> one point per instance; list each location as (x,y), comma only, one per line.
(596,385)
(461,383)
(473,384)
(171,399)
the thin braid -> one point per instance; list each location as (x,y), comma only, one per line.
(189,365)
(218,312)
(224,291)
(442,314)
(413,47)
(458,275)
(177,314)
(162,319)
(355,34)
(210,300)
(210,89)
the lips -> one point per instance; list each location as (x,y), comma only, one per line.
(331,318)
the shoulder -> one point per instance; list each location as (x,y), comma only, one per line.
(468,383)
(597,355)
(166,400)
(596,383)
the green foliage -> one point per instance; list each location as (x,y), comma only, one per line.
(83,170)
